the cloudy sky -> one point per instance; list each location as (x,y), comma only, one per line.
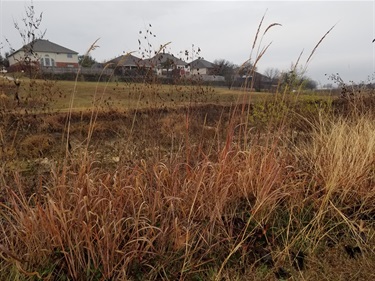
(221,29)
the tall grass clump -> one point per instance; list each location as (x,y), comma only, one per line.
(338,163)
(149,220)
(342,153)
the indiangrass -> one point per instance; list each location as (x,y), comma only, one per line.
(342,154)
(342,165)
(163,218)
(236,198)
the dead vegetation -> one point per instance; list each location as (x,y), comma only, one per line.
(191,194)
(281,189)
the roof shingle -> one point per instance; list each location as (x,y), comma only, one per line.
(201,63)
(42,45)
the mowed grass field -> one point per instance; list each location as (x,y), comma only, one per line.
(137,181)
(125,95)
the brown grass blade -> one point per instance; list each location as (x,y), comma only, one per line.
(270,26)
(297,62)
(317,45)
(264,33)
(68,120)
(256,35)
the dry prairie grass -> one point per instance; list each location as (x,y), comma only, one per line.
(281,189)
(191,215)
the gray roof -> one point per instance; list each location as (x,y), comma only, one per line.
(42,45)
(201,63)
(158,59)
(126,60)
(162,58)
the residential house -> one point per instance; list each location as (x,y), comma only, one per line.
(167,65)
(201,67)
(254,81)
(126,61)
(43,53)
(128,65)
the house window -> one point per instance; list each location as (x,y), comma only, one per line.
(47,61)
(70,56)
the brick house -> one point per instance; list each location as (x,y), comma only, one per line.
(43,53)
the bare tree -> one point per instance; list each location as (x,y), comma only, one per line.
(29,31)
(247,69)
(226,69)
(4,62)
(272,73)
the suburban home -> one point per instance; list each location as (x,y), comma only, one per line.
(257,80)
(43,53)
(128,65)
(127,61)
(201,67)
(167,64)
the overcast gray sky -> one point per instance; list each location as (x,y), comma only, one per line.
(221,29)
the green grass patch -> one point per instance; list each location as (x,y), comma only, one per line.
(56,95)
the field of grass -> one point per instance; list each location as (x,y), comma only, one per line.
(143,181)
(124,96)
(214,186)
